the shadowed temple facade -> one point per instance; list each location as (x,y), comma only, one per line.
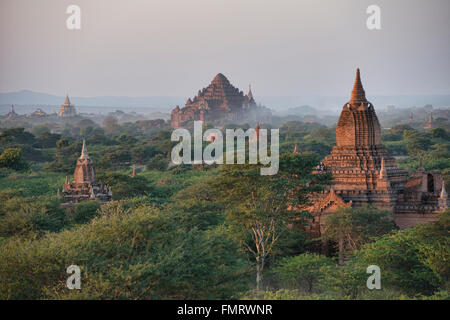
(364,173)
(84,186)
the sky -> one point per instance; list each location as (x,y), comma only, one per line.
(176,47)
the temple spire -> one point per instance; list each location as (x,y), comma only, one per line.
(358,94)
(250,94)
(84,152)
(67,102)
(443,195)
(421,168)
(296,148)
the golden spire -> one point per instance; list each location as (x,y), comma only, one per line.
(67,102)
(358,94)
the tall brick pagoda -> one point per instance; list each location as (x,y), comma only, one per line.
(364,173)
(84,186)
(220,101)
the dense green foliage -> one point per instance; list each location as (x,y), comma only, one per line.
(11,158)
(204,232)
(123,254)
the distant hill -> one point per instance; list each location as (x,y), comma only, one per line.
(27,97)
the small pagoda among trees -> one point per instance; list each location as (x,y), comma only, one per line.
(84,186)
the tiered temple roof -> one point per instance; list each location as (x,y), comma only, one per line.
(219,101)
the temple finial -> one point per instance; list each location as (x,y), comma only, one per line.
(67,102)
(250,94)
(296,148)
(358,94)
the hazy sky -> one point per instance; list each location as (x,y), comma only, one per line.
(175,47)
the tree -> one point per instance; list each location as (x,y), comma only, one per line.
(158,162)
(417,143)
(16,136)
(111,125)
(142,153)
(24,216)
(39,130)
(400,263)
(83,212)
(261,208)
(433,244)
(351,227)
(303,270)
(196,206)
(48,140)
(115,157)
(439,133)
(126,139)
(346,281)
(66,155)
(12,158)
(125,186)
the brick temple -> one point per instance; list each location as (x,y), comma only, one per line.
(364,173)
(84,186)
(219,102)
(67,109)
